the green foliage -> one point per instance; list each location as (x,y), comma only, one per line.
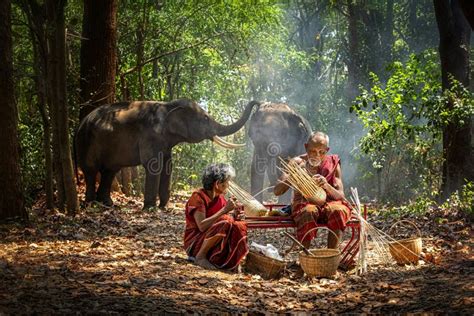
(402,142)
(229,37)
(420,206)
(404,120)
(224,53)
(462,201)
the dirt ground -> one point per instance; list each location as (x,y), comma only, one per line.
(123,260)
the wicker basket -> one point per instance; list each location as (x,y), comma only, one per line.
(324,263)
(320,196)
(266,267)
(406,251)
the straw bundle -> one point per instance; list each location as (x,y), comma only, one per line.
(301,181)
(252,207)
(381,241)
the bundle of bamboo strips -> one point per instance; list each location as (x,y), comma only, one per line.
(380,240)
(362,259)
(301,181)
(252,207)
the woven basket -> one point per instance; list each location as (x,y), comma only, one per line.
(319,197)
(406,251)
(266,267)
(323,264)
(325,261)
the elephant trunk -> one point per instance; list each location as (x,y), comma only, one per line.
(224,130)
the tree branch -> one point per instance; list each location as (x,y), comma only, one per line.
(129,71)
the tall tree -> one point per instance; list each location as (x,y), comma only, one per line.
(354,59)
(468,10)
(56,90)
(11,198)
(454,44)
(98,54)
(35,15)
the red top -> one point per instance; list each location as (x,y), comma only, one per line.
(200,202)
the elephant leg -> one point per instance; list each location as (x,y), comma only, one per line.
(103,192)
(151,189)
(164,189)
(259,165)
(153,167)
(90,176)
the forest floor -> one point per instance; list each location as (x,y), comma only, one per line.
(123,260)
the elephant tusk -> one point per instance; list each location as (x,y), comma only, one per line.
(222,145)
(219,141)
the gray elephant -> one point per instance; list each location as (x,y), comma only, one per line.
(143,132)
(276,131)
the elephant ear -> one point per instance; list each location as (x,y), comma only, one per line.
(156,118)
(304,127)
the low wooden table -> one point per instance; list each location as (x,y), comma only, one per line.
(349,251)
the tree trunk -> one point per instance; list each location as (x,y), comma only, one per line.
(468,9)
(412,24)
(354,73)
(98,54)
(56,63)
(48,159)
(40,75)
(454,33)
(11,198)
(387,40)
(36,22)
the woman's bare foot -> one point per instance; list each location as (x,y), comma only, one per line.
(205,264)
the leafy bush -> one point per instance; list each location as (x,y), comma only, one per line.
(462,201)
(404,121)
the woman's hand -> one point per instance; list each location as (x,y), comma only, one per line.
(231,204)
(239,212)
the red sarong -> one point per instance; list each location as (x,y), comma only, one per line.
(334,214)
(231,249)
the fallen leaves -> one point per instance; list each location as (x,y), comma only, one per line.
(123,260)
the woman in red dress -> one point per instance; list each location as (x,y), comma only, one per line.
(212,237)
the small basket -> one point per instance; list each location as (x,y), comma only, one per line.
(406,251)
(324,263)
(266,267)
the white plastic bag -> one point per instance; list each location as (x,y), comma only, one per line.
(269,250)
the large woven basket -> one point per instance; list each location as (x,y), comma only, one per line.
(266,267)
(324,263)
(319,196)
(406,251)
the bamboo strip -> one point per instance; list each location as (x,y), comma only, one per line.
(252,207)
(300,180)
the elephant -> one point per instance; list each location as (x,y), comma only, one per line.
(134,133)
(276,131)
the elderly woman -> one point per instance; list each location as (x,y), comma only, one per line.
(211,236)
